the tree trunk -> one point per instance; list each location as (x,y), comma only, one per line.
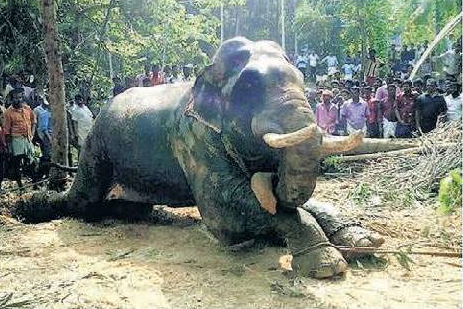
(56,94)
(361,24)
(238,20)
(375,145)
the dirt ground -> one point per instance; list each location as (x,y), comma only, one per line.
(71,264)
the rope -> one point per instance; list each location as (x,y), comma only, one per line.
(371,250)
(27,186)
(317,246)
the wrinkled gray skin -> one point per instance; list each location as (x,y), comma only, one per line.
(146,142)
(199,144)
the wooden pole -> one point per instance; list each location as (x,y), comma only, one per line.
(56,94)
(283,34)
(111,72)
(221,23)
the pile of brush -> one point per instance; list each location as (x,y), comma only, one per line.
(412,174)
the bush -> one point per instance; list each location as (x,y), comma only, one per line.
(450,192)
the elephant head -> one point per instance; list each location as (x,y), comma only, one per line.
(254,97)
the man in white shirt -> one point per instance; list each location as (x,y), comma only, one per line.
(83,117)
(301,64)
(348,69)
(332,63)
(450,60)
(313,59)
(454,103)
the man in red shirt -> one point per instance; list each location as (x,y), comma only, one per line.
(19,129)
(405,111)
(156,76)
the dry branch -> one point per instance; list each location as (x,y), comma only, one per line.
(379,155)
(457,254)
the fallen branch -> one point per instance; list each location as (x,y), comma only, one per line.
(378,250)
(394,153)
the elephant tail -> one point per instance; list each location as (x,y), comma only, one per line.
(40,207)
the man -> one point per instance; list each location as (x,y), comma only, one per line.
(188,73)
(450,59)
(327,113)
(331,63)
(354,113)
(156,76)
(372,68)
(311,96)
(348,69)
(83,118)
(405,111)
(418,86)
(72,140)
(392,55)
(404,54)
(313,59)
(426,67)
(372,119)
(44,131)
(381,91)
(19,129)
(301,64)
(454,102)
(143,77)
(118,88)
(429,107)
(386,116)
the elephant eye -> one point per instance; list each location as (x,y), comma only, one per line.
(237,60)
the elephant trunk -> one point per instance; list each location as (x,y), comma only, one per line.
(297,174)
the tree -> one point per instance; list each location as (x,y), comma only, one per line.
(56,93)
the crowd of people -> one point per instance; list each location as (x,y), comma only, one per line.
(400,63)
(155,75)
(393,108)
(26,122)
(344,96)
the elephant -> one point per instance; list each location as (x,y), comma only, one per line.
(240,142)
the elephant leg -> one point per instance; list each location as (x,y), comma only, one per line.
(91,184)
(342,230)
(232,212)
(313,255)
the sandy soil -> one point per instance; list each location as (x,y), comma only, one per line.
(72,264)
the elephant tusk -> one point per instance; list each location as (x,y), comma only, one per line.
(337,144)
(275,140)
(261,185)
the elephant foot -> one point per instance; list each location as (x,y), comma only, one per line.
(320,263)
(313,254)
(356,236)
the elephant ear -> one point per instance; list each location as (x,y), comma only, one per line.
(214,84)
(206,101)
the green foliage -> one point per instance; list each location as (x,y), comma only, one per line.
(135,33)
(421,20)
(361,193)
(341,26)
(332,162)
(449,196)
(404,259)
(172,33)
